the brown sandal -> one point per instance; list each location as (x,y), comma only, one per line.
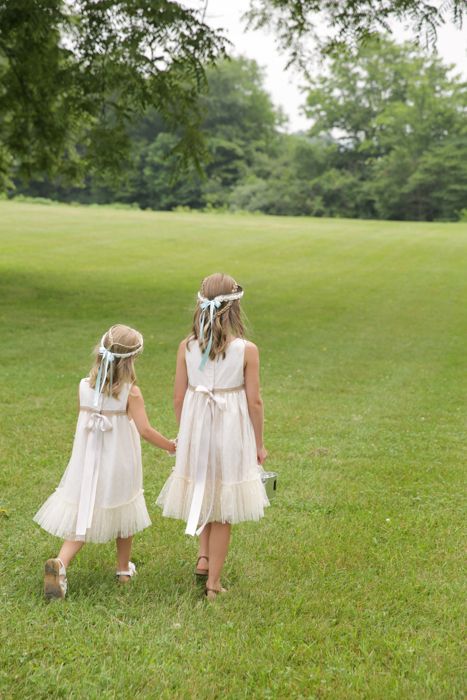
(212,593)
(202,572)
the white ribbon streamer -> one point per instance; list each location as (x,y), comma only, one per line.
(206,457)
(97,425)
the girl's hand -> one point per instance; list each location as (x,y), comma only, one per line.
(261,454)
(173,449)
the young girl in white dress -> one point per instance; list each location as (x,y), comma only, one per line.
(100,496)
(216,481)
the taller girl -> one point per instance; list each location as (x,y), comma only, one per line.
(216,480)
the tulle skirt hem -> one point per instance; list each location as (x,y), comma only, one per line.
(58,517)
(231,503)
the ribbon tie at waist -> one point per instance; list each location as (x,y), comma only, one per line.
(200,389)
(97,421)
(206,457)
(97,424)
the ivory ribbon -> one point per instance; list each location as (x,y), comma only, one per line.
(97,425)
(205,458)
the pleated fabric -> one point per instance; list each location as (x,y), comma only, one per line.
(107,449)
(216,426)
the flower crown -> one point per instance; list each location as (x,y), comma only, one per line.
(220,298)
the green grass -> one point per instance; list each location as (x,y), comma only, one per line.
(351,585)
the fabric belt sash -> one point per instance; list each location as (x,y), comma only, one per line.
(220,390)
(205,457)
(102,413)
(97,424)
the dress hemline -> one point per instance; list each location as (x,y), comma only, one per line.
(234,502)
(58,517)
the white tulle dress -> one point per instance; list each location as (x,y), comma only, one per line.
(216,476)
(100,496)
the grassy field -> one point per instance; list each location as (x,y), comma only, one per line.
(351,585)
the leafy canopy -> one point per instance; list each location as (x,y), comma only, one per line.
(74,74)
(239,127)
(348,23)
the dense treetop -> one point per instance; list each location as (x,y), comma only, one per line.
(74,74)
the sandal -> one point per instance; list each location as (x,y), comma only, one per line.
(130,573)
(55,581)
(212,593)
(202,572)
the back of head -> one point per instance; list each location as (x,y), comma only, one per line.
(118,349)
(218,318)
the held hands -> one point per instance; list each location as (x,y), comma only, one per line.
(261,454)
(173,447)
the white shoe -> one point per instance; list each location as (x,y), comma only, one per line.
(55,581)
(130,573)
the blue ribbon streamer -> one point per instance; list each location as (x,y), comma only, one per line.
(212,305)
(108,359)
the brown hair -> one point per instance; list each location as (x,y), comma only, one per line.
(120,339)
(228,319)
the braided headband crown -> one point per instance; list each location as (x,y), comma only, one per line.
(132,349)
(236,293)
(108,358)
(211,306)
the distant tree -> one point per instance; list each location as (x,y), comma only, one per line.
(283,183)
(74,74)
(397,114)
(238,126)
(430,185)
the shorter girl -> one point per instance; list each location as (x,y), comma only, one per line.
(100,496)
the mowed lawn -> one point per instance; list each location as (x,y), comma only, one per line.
(351,586)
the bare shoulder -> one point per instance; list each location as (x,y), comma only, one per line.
(184,344)
(135,392)
(251,351)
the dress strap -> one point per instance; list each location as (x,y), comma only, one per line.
(102,413)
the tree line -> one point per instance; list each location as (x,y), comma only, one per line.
(387,139)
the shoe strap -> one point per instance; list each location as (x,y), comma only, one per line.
(62,569)
(131,571)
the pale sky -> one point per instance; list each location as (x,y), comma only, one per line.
(284,86)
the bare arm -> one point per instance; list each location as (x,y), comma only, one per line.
(137,411)
(181,381)
(253,397)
